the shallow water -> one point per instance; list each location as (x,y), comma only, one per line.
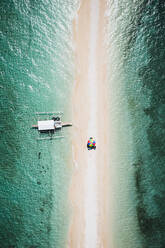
(35,76)
(137,92)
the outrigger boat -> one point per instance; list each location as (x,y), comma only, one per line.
(50,125)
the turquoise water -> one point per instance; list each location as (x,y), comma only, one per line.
(36,75)
(37,70)
(137,93)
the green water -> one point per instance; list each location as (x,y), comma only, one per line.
(36,75)
(137,94)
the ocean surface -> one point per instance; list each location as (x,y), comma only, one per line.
(136,41)
(37,74)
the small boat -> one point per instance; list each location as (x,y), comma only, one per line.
(50,125)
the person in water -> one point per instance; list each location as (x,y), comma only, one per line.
(91,144)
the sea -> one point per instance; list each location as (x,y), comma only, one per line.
(136,78)
(37,69)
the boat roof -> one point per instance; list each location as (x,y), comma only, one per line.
(46,125)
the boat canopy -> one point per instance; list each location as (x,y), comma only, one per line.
(46,125)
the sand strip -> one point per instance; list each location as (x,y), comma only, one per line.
(90,197)
(89,185)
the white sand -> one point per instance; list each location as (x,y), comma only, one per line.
(89,197)
(91,203)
